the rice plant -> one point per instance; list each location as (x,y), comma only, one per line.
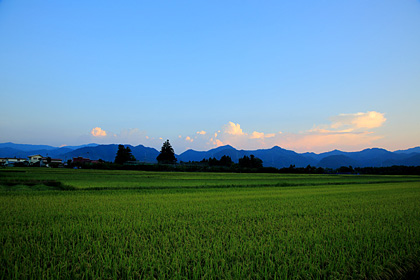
(193,226)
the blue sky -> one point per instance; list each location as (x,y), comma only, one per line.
(303,75)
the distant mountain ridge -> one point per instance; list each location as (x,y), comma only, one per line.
(273,157)
(30,147)
(108,152)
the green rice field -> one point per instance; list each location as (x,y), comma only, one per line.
(94,224)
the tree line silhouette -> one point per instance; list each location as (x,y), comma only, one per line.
(167,161)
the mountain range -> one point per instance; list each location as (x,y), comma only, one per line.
(274,157)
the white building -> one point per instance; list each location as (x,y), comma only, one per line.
(35,158)
(11,161)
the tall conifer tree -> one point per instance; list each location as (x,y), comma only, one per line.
(167,154)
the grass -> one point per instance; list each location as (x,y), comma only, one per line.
(126,225)
(117,179)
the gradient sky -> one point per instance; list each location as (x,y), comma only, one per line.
(303,75)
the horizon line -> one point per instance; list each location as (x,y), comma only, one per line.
(227,145)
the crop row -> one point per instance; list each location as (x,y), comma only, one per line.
(141,180)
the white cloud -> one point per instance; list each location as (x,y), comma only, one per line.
(201,132)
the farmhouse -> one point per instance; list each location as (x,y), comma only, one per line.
(12,161)
(34,159)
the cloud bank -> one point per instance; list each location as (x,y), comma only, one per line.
(133,136)
(345,131)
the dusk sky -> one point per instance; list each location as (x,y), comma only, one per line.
(303,75)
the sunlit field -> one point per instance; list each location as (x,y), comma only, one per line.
(72,224)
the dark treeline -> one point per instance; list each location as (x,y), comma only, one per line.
(251,162)
(247,166)
(390,170)
(124,160)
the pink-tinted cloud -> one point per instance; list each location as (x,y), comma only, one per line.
(219,143)
(133,136)
(321,142)
(261,135)
(233,129)
(233,134)
(257,135)
(346,131)
(98,132)
(359,120)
